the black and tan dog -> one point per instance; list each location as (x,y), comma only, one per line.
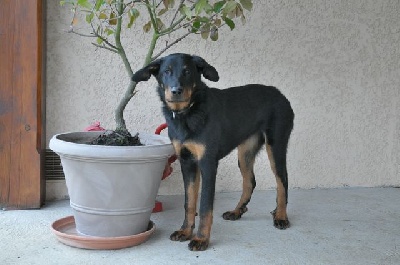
(205,124)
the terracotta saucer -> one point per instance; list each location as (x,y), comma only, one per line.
(65,230)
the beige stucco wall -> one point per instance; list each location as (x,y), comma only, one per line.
(338,62)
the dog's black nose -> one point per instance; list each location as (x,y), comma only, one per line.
(176,90)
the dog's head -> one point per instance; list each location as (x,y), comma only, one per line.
(178,76)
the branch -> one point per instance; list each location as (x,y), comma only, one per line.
(172,26)
(158,4)
(132,2)
(94,35)
(170,45)
(152,17)
(104,47)
(71,30)
(103,39)
(176,13)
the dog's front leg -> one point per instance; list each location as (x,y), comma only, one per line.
(191,179)
(208,173)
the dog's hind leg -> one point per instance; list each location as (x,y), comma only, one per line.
(281,220)
(247,152)
(277,142)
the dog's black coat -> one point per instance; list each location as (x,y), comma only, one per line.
(205,124)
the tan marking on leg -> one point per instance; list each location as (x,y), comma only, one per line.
(193,194)
(177,146)
(246,165)
(246,168)
(202,239)
(196,149)
(280,212)
(186,231)
(205,225)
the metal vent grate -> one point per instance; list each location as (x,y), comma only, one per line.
(53,168)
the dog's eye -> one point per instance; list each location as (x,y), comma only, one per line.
(167,71)
(186,72)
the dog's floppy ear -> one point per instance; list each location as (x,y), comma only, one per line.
(208,71)
(145,73)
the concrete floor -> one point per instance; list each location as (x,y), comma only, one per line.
(329,226)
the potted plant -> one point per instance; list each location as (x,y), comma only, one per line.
(91,160)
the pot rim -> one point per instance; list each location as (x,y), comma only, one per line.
(155,146)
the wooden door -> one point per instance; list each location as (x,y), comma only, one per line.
(22,183)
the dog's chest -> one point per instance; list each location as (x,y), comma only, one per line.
(186,142)
(189,148)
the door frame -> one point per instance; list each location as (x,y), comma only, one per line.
(22,104)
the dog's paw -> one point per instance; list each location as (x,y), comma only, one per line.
(280,222)
(198,244)
(180,235)
(234,215)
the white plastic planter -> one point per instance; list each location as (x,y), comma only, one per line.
(112,189)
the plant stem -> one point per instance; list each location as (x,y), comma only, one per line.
(152,46)
(121,50)
(119,112)
(130,92)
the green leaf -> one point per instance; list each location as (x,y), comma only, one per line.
(84,4)
(99,41)
(208,8)
(214,33)
(229,7)
(218,6)
(232,14)
(134,12)
(109,31)
(239,11)
(133,15)
(203,20)
(199,6)
(186,11)
(169,3)
(166,3)
(229,22)
(131,21)
(98,4)
(113,20)
(103,16)
(89,17)
(196,26)
(147,27)
(247,4)
(205,31)
(62,3)
(160,24)
(162,11)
